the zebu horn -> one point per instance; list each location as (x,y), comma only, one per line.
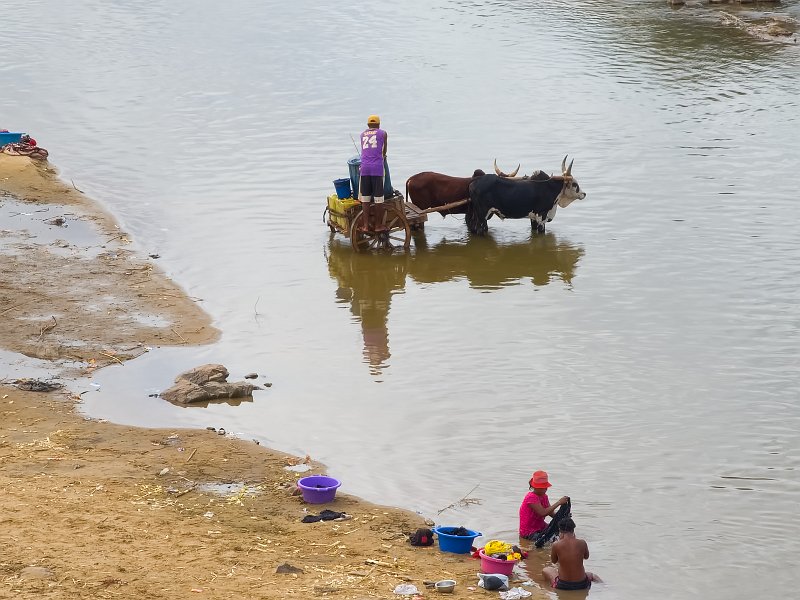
(501,174)
(498,171)
(564,164)
(569,168)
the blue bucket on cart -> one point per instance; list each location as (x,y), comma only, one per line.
(342,188)
(457,544)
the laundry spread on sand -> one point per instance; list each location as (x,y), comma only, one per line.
(326,515)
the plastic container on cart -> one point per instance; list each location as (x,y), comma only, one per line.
(388,190)
(354,165)
(342,188)
(340,206)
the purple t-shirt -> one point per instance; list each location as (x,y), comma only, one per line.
(372,144)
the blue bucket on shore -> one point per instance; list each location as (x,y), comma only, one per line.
(8,137)
(342,188)
(457,544)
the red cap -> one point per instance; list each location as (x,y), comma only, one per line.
(539,480)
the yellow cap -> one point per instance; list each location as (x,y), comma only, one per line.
(374,120)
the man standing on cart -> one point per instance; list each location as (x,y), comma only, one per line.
(373,154)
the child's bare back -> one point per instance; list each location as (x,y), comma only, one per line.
(569,552)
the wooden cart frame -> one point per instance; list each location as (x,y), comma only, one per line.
(396,220)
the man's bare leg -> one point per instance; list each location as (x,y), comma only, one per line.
(593,577)
(550,574)
(379,212)
(368,219)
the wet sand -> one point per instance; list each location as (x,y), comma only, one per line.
(70,287)
(106,511)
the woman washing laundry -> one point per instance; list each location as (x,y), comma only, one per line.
(536,506)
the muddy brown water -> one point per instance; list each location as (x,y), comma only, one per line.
(644,351)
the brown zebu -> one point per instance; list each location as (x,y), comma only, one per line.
(429,189)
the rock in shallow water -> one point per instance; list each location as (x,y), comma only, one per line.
(207,382)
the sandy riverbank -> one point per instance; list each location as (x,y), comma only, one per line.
(70,288)
(90,505)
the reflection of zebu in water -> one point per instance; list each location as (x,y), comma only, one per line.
(536,199)
(368,282)
(487,264)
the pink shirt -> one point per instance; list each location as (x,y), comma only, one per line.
(529,521)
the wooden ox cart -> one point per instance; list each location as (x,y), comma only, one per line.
(393,224)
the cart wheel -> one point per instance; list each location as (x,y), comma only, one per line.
(391,232)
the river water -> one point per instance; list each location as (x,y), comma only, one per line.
(644,351)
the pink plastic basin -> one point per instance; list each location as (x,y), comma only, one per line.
(495,565)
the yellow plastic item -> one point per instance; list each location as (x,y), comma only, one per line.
(340,206)
(347,203)
(496,547)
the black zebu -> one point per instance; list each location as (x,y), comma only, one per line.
(537,198)
(429,190)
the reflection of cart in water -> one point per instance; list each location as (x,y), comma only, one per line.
(368,282)
(389,225)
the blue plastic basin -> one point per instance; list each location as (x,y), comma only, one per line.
(9,138)
(457,544)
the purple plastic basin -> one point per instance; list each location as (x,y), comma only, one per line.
(318,489)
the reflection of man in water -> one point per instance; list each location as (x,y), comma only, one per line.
(372,295)
(370,281)
(374,316)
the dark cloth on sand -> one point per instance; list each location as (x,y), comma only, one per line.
(325,515)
